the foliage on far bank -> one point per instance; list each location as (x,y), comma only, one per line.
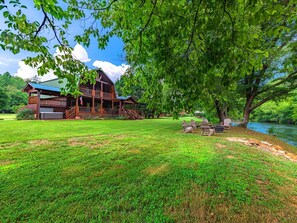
(284,111)
(11,93)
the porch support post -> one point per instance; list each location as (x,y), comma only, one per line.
(101,97)
(120,112)
(93,100)
(76,108)
(38,106)
(112,97)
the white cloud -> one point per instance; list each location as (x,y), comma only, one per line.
(25,71)
(4,64)
(113,71)
(78,53)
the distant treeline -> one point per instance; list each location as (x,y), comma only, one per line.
(284,111)
(11,95)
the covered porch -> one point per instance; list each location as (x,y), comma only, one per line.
(85,106)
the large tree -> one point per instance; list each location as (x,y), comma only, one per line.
(198,49)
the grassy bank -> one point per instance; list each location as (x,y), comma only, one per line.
(7,116)
(139,171)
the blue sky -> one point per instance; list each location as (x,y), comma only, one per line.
(111,59)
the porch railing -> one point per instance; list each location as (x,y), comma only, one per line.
(88,93)
(107,96)
(53,103)
(105,111)
(33,99)
(85,109)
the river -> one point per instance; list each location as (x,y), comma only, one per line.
(287,133)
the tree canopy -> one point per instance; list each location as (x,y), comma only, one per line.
(212,51)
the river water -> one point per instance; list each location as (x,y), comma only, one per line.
(287,133)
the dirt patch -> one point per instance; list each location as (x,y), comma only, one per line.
(230,157)
(5,162)
(77,142)
(119,136)
(8,145)
(134,151)
(40,142)
(89,142)
(157,170)
(261,182)
(265,146)
(219,145)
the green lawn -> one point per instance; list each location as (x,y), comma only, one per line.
(139,171)
(7,116)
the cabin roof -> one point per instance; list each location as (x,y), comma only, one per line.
(104,76)
(59,83)
(44,87)
(125,98)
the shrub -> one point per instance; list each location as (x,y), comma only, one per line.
(25,114)
(16,108)
(91,117)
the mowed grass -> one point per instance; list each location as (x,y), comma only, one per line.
(139,171)
(7,116)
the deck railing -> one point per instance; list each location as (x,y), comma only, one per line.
(88,93)
(53,103)
(107,96)
(33,100)
(85,109)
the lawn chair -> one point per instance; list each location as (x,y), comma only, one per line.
(187,128)
(204,121)
(185,124)
(226,123)
(207,130)
(193,124)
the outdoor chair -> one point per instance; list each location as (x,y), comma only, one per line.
(185,124)
(226,123)
(193,124)
(207,130)
(187,128)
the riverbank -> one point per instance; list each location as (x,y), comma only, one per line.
(287,133)
(140,171)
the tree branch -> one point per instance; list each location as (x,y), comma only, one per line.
(146,25)
(46,18)
(290,76)
(40,27)
(232,21)
(193,29)
(272,96)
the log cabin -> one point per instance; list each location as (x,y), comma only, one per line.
(97,100)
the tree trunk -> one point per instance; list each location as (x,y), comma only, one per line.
(246,117)
(247,111)
(220,111)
